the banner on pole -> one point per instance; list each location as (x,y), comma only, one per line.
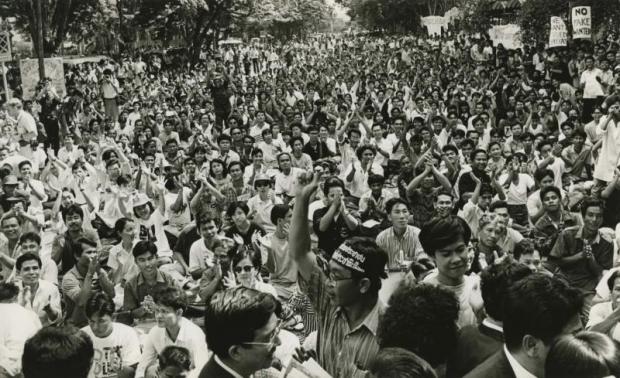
(558,34)
(30,76)
(582,22)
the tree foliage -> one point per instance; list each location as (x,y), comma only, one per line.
(285,17)
(60,18)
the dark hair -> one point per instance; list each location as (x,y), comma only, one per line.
(142,247)
(542,143)
(389,204)
(332,182)
(30,236)
(282,154)
(176,356)
(579,132)
(525,247)
(278,212)
(540,174)
(237,205)
(421,319)
(234,315)
(450,147)
(170,296)
(499,204)
(375,179)
(477,151)
(22,163)
(495,280)
(120,224)
(8,290)
(246,253)
(585,354)
(58,352)
(440,232)
(233,163)
(256,151)
(78,249)
(27,257)
(99,303)
(360,150)
(204,219)
(224,137)
(590,202)
(296,139)
(72,209)
(220,161)
(544,191)
(539,306)
(612,279)
(400,363)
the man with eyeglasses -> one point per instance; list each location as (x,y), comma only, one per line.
(242,327)
(343,292)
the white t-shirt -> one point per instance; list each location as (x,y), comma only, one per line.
(200,257)
(558,167)
(468,293)
(517,194)
(121,348)
(178,220)
(153,229)
(592,88)
(23,325)
(600,312)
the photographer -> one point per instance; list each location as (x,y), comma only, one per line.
(49,100)
(109,92)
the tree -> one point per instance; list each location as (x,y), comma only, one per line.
(60,18)
(198,22)
(287,17)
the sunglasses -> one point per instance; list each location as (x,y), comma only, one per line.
(247,269)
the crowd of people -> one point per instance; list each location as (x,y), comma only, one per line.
(348,205)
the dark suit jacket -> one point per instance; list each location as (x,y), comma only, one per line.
(473,347)
(213,370)
(496,366)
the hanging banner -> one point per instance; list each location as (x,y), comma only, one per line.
(582,22)
(558,34)
(30,76)
(434,24)
(508,35)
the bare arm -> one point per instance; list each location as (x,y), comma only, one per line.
(299,235)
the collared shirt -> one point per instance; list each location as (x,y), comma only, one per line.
(223,366)
(286,184)
(570,242)
(341,351)
(517,368)
(24,324)
(47,293)
(359,184)
(409,243)
(190,336)
(72,284)
(137,288)
(64,245)
(383,198)
(26,126)
(551,229)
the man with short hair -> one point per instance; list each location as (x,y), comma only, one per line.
(478,342)
(201,252)
(26,126)
(537,309)
(582,253)
(36,294)
(605,316)
(554,219)
(139,290)
(117,347)
(286,178)
(9,243)
(172,328)
(84,278)
(64,244)
(30,242)
(242,327)
(346,293)
(400,241)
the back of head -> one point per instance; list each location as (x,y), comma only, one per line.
(8,292)
(585,354)
(232,316)
(63,352)
(495,281)
(421,319)
(539,306)
(400,363)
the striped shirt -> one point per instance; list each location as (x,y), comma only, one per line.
(341,351)
(392,244)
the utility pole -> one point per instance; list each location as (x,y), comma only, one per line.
(40,52)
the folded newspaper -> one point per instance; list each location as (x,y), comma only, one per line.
(309,369)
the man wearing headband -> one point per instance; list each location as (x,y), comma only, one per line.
(344,293)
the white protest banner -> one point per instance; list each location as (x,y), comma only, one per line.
(582,22)
(508,35)
(558,35)
(30,76)
(434,24)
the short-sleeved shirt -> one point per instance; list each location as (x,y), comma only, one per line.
(598,313)
(137,288)
(392,244)
(119,349)
(421,205)
(65,245)
(569,243)
(336,233)
(341,351)
(72,284)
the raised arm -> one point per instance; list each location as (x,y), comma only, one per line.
(299,235)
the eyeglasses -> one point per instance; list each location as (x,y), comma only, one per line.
(272,337)
(247,269)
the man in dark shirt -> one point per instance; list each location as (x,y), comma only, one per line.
(334,224)
(315,148)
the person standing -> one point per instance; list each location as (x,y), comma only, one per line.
(26,126)
(110,91)
(343,292)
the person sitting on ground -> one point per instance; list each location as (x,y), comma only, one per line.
(400,363)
